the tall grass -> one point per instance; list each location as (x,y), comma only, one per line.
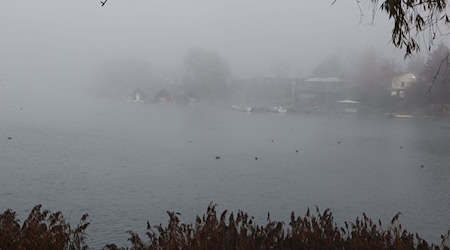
(41,230)
(44,230)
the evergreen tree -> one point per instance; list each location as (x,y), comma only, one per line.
(436,75)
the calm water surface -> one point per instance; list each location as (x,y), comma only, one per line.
(125,164)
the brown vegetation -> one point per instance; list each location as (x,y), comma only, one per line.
(43,230)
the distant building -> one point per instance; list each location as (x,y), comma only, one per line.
(348,106)
(324,92)
(400,82)
(137,96)
(163,96)
(192,97)
(269,90)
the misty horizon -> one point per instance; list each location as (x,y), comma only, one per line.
(59,40)
(134,108)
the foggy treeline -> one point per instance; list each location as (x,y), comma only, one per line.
(126,45)
(210,76)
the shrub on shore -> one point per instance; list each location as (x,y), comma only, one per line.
(44,230)
(41,230)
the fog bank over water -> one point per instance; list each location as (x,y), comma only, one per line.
(142,106)
(50,42)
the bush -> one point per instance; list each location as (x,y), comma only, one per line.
(44,230)
(41,230)
(309,232)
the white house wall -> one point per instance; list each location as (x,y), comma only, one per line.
(407,78)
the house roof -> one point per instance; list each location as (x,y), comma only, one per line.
(138,91)
(163,93)
(348,101)
(324,79)
(272,75)
(397,74)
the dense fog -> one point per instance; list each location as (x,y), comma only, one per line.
(138,107)
(65,43)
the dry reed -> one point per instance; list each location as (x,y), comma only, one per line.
(46,230)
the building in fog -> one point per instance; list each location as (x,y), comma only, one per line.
(192,97)
(269,90)
(137,96)
(321,92)
(402,81)
(163,96)
(348,106)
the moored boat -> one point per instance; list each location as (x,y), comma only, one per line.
(278,109)
(242,108)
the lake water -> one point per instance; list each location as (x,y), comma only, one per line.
(124,164)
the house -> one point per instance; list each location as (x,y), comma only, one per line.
(321,92)
(137,96)
(192,97)
(163,96)
(348,106)
(400,82)
(269,90)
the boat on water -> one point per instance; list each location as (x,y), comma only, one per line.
(282,110)
(398,116)
(261,109)
(242,108)
(278,109)
(403,116)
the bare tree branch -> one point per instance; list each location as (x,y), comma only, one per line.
(438,71)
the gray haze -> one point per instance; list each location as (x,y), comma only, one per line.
(44,42)
(126,163)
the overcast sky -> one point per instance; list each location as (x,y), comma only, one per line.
(53,39)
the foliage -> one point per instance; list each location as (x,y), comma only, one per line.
(331,67)
(416,64)
(436,75)
(413,20)
(433,64)
(45,230)
(313,231)
(206,73)
(118,78)
(372,77)
(433,79)
(41,230)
